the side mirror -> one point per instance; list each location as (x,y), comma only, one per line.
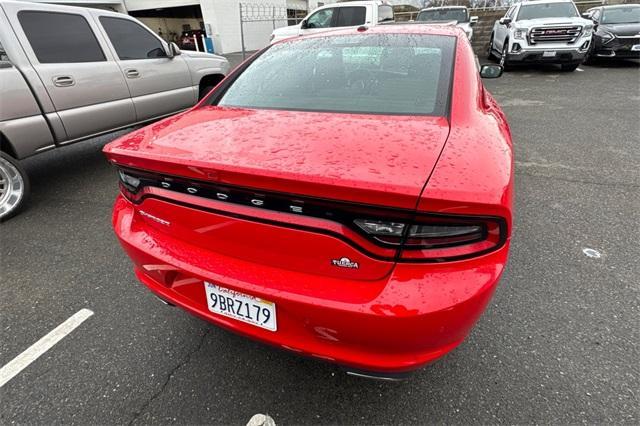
(303,24)
(473,20)
(586,15)
(505,21)
(490,71)
(173,50)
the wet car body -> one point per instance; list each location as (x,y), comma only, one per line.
(322,214)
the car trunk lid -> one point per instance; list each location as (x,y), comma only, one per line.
(346,158)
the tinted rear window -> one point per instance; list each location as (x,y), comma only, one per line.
(60,37)
(382,74)
(351,16)
(131,40)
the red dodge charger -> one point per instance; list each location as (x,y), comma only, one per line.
(345,195)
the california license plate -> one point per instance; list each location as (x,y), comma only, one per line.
(548,53)
(635,47)
(240,306)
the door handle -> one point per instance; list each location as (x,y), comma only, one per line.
(63,81)
(131,73)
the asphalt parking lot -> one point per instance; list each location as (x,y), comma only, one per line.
(559,343)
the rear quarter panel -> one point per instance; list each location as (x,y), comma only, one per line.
(474,174)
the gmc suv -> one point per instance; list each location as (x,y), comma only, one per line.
(541,31)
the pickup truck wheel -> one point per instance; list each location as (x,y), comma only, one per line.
(14,187)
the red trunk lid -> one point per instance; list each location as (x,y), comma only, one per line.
(371,159)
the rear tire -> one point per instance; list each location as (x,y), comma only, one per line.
(14,187)
(569,67)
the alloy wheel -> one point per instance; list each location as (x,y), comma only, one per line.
(12,187)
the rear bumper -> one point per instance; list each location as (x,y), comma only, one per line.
(394,324)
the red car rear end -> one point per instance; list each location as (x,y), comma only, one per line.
(345,196)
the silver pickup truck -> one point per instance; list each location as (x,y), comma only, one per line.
(68,74)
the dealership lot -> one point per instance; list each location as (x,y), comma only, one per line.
(557,343)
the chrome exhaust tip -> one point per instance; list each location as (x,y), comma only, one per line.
(164,301)
(386,377)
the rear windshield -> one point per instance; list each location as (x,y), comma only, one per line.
(547,10)
(379,74)
(459,15)
(621,15)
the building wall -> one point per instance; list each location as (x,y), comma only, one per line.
(224,18)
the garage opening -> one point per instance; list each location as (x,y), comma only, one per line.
(182,25)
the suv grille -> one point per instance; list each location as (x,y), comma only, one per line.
(567,34)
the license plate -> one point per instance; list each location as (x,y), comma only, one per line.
(635,47)
(240,306)
(548,53)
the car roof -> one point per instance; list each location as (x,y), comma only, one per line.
(404,28)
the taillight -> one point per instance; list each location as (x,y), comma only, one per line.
(130,185)
(437,238)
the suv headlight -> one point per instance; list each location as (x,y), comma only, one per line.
(587,30)
(519,33)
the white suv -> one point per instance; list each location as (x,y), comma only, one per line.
(334,15)
(541,31)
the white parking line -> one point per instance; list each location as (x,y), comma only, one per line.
(32,353)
